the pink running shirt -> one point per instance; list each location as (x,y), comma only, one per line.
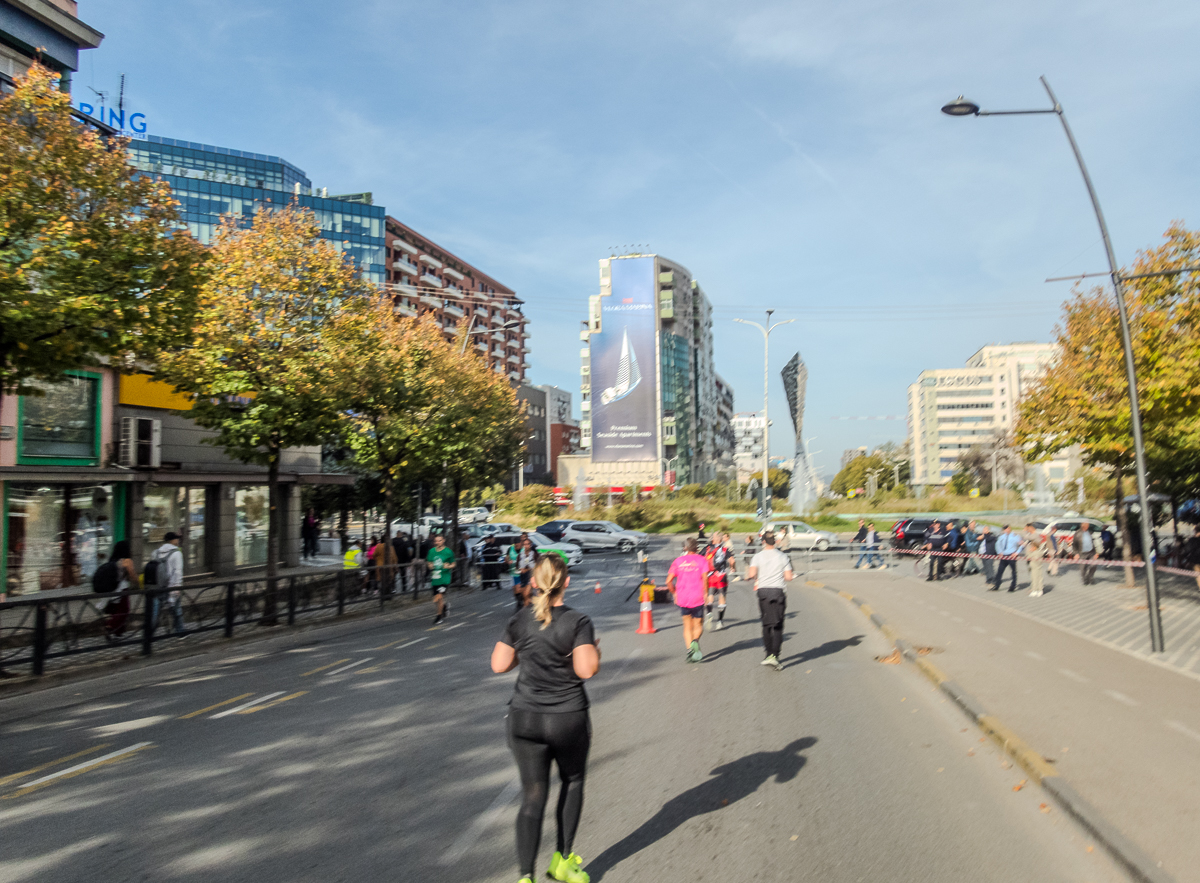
(689,571)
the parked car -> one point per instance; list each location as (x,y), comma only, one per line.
(603,535)
(1064,528)
(791,535)
(542,543)
(477,533)
(424,527)
(554,529)
(908,533)
(473,515)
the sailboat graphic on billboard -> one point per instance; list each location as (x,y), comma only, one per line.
(628,374)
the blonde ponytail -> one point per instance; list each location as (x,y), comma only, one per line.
(550,580)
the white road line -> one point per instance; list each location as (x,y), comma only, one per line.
(1122,698)
(481,823)
(451,628)
(1038,656)
(79,767)
(1183,728)
(1073,675)
(350,666)
(414,641)
(250,704)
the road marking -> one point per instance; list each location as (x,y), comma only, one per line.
(1038,656)
(385,646)
(250,704)
(211,707)
(1122,698)
(1000,640)
(50,763)
(1179,727)
(481,823)
(415,641)
(375,668)
(269,704)
(323,667)
(451,628)
(71,772)
(338,671)
(1075,676)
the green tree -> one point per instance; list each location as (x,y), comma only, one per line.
(780,481)
(94,265)
(854,474)
(259,365)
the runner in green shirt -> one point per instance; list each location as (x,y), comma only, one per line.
(440,561)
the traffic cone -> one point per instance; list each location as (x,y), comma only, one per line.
(597,592)
(646,597)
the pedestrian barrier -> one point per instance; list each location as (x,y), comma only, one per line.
(646,599)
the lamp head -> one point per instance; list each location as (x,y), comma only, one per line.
(960,107)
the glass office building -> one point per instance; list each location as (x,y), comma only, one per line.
(213,181)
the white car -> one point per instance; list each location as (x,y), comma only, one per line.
(1064,529)
(541,543)
(473,515)
(603,535)
(798,535)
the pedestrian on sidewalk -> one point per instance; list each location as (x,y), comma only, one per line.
(1035,553)
(1108,542)
(1008,546)
(402,546)
(954,546)
(1052,552)
(987,548)
(556,650)
(859,539)
(771,571)
(440,562)
(936,541)
(491,563)
(310,532)
(1191,552)
(118,574)
(870,549)
(970,542)
(168,574)
(383,556)
(1084,548)
(687,581)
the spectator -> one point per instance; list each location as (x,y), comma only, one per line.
(121,561)
(953,542)
(1084,548)
(970,541)
(987,548)
(169,575)
(936,541)
(310,532)
(870,541)
(383,556)
(402,546)
(1008,546)
(1035,553)
(1191,552)
(491,563)
(1108,542)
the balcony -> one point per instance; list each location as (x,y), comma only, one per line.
(667,278)
(401,288)
(404,266)
(453,274)
(584,334)
(405,310)
(498,352)
(481,311)
(515,375)
(431,280)
(481,345)
(430,262)
(498,367)
(429,301)
(585,406)
(666,305)
(401,244)
(454,310)
(516,360)
(499,336)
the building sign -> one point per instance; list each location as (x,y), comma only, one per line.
(127,122)
(624,389)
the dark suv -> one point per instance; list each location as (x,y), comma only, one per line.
(554,529)
(908,533)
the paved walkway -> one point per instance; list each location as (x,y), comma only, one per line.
(1070,672)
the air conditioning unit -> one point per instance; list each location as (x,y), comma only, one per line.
(141,443)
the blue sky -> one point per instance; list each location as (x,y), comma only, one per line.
(790,154)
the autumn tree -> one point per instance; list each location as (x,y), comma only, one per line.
(1083,399)
(259,365)
(93,262)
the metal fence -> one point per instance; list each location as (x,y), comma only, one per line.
(45,631)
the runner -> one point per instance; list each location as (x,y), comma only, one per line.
(720,561)
(548,714)
(514,552)
(771,570)
(687,583)
(527,559)
(441,562)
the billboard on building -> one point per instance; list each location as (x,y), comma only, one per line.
(624,386)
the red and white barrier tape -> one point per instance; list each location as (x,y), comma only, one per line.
(1093,562)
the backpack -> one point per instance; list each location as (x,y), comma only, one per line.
(106,578)
(150,574)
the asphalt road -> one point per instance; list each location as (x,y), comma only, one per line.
(377,752)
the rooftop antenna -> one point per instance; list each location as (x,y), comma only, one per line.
(121,98)
(103,96)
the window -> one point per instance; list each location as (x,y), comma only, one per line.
(57,535)
(61,426)
(182,511)
(251,533)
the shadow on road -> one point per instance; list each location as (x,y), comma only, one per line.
(734,780)
(745,644)
(826,649)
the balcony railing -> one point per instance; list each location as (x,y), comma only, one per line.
(402,264)
(431,280)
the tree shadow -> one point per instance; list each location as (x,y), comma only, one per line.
(826,649)
(734,780)
(745,644)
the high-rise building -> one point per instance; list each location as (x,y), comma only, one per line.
(427,278)
(851,454)
(748,439)
(951,410)
(562,429)
(213,181)
(648,391)
(804,485)
(726,441)
(48,29)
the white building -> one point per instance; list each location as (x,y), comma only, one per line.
(952,409)
(748,438)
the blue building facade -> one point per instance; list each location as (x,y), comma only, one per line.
(213,181)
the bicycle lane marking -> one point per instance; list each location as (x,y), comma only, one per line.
(45,766)
(250,704)
(78,769)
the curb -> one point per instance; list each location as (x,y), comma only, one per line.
(1127,853)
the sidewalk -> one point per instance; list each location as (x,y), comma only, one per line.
(1071,675)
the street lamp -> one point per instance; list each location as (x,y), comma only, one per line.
(507,326)
(961,107)
(766,333)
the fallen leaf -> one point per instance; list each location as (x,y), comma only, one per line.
(963,730)
(905,699)
(1043,807)
(941,768)
(1065,750)
(971,753)
(808,671)
(1020,785)
(1089,849)
(795,836)
(894,658)
(983,738)
(1005,765)
(724,802)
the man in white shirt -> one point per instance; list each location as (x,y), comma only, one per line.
(771,571)
(170,576)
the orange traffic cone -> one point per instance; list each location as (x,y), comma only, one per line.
(646,597)
(597,592)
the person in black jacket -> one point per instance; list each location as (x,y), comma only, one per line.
(491,561)
(987,549)
(936,540)
(402,546)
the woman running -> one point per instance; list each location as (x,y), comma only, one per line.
(548,715)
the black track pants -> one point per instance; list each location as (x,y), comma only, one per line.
(536,740)
(772,603)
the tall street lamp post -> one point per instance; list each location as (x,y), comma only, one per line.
(961,107)
(766,333)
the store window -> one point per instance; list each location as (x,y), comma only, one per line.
(61,426)
(180,510)
(251,537)
(57,535)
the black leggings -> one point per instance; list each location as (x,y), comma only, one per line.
(536,740)
(772,603)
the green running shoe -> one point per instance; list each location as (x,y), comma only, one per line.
(567,869)
(526,880)
(695,653)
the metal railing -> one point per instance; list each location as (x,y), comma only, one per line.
(37,632)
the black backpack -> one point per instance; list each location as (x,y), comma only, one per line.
(150,574)
(106,578)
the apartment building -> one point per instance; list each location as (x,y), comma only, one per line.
(426,278)
(748,439)
(48,29)
(725,441)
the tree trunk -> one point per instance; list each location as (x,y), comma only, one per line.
(1123,529)
(461,570)
(274,519)
(344,518)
